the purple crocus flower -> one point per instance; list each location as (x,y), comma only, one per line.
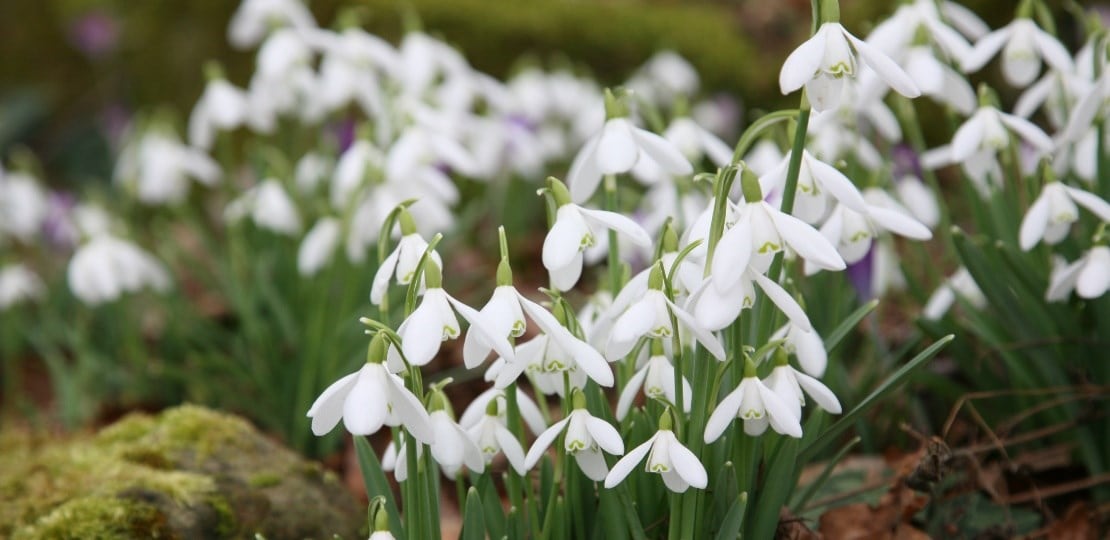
(861,275)
(96,34)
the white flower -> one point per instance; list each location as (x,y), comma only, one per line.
(760,233)
(368,399)
(254,18)
(318,246)
(156,167)
(402,263)
(853,232)
(221,107)
(939,81)
(349,71)
(546,364)
(1025,46)
(105,267)
(311,170)
(573,232)
(615,150)
(650,316)
(667,457)
(758,405)
(976,144)
(491,436)
(529,411)
(433,322)
(382,535)
(789,383)
(816,181)
(556,350)
(352,170)
(1049,218)
(18,284)
(714,309)
(1088,276)
(452,448)
(919,199)
(960,283)
(665,77)
(586,437)
(696,142)
(656,377)
(23,206)
(823,62)
(269,206)
(899,31)
(807,346)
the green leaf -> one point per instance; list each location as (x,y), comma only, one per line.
(849,322)
(376,484)
(775,487)
(474,526)
(610,522)
(897,378)
(491,500)
(734,519)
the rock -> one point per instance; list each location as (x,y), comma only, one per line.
(188,472)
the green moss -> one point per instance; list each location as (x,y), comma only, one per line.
(187,473)
(98,517)
(264,480)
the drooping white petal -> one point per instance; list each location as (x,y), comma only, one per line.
(724,414)
(565,239)
(592,463)
(1090,201)
(327,410)
(500,344)
(543,442)
(686,464)
(806,241)
(733,253)
(803,62)
(1028,131)
(619,223)
(836,183)
(365,408)
(784,301)
(511,447)
(625,465)
(899,223)
(704,336)
(820,393)
(605,435)
(584,175)
(779,414)
(1034,224)
(886,68)
(1094,278)
(986,48)
(662,152)
(616,149)
(628,393)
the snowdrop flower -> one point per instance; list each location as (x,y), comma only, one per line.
(616,149)
(806,345)
(105,267)
(1088,276)
(755,403)
(760,232)
(976,144)
(492,437)
(667,457)
(789,383)
(919,199)
(349,71)
(764,156)
(403,260)
(960,283)
(222,107)
(1050,216)
(312,170)
(696,142)
(370,398)
(433,322)
(529,411)
(155,167)
(18,284)
(816,181)
(656,378)
(554,351)
(939,81)
(852,232)
(825,61)
(1025,46)
(355,165)
(254,18)
(549,367)
(573,232)
(665,77)
(452,447)
(898,32)
(586,437)
(650,316)
(318,246)
(23,206)
(269,206)
(714,309)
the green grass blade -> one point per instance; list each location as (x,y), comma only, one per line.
(849,322)
(377,484)
(897,378)
(734,519)
(474,524)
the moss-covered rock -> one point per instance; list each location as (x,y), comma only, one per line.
(187,473)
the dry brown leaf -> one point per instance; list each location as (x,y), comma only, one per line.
(1077,524)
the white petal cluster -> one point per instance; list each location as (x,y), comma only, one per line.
(667,457)
(105,267)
